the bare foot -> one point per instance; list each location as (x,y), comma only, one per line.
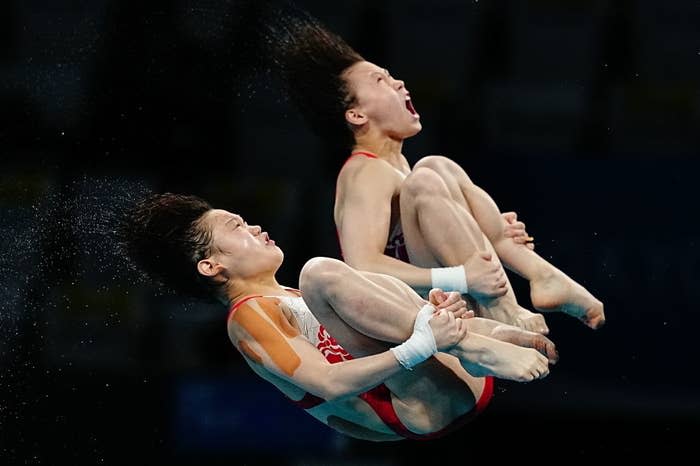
(527,339)
(559,293)
(481,356)
(513,314)
(514,335)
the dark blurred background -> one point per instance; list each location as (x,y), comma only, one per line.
(581,116)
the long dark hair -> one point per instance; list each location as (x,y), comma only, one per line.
(163,236)
(310,61)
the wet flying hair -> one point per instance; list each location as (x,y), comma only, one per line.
(163,237)
(310,60)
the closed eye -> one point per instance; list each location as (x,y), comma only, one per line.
(236,224)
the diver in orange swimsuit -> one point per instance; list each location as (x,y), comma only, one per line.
(389,346)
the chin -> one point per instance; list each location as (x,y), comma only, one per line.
(416,128)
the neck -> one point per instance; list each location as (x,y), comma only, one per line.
(239,288)
(382,146)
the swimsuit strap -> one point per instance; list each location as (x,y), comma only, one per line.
(367,154)
(238,303)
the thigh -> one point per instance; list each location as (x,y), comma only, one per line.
(434,394)
(454,176)
(395,287)
(365,312)
(419,252)
(368,313)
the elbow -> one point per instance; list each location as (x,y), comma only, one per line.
(338,395)
(332,391)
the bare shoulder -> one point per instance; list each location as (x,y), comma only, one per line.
(367,170)
(257,316)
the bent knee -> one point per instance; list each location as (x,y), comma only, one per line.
(434,162)
(321,273)
(421,181)
(442,165)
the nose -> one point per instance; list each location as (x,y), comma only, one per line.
(398,84)
(255,229)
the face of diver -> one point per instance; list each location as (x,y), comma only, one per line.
(381,101)
(237,249)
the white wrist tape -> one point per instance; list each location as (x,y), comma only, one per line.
(449,278)
(421,344)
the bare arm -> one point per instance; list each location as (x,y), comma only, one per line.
(362,218)
(260,330)
(262,333)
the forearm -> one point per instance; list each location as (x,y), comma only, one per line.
(417,278)
(356,376)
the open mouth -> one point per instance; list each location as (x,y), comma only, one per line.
(410,107)
(267,240)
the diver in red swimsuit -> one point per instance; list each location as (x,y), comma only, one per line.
(396,346)
(454,235)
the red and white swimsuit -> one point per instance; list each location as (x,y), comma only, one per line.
(379,397)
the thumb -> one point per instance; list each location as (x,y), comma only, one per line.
(436,295)
(440,297)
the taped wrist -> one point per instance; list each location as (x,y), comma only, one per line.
(421,344)
(449,278)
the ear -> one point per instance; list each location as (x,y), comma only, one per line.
(209,268)
(355,117)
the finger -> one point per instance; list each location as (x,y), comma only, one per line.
(458,308)
(453,297)
(446,299)
(515,234)
(510,216)
(517,226)
(431,295)
(514,230)
(453,305)
(439,297)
